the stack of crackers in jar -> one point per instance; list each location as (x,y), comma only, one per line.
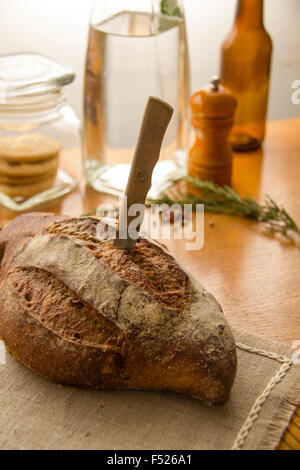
(28,164)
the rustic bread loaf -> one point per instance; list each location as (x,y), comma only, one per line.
(78,311)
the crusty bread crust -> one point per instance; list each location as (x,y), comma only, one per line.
(80,312)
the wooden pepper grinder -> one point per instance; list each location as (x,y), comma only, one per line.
(213,109)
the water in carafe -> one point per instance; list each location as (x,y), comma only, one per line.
(132,55)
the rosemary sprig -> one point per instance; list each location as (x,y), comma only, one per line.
(170,8)
(91,213)
(224,200)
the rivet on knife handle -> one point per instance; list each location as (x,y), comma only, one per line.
(155,123)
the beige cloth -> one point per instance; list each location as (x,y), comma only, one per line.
(37,414)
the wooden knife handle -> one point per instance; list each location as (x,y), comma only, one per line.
(155,123)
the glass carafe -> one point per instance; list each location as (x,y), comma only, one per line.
(136,49)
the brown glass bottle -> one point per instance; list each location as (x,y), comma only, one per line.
(245,70)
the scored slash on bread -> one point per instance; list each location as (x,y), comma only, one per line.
(80,312)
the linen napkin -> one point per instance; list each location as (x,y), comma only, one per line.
(37,414)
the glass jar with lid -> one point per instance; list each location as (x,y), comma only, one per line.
(136,49)
(37,127)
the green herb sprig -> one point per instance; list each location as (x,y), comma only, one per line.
(170,8)
(224,200)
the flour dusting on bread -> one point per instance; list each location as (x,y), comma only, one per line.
(79,311)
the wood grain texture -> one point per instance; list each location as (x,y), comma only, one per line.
(155,122)
(255,277)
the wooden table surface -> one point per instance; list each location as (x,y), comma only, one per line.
(254,276)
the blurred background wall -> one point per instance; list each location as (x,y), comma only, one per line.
(59,28)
